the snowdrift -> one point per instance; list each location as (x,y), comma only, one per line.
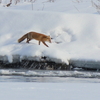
(75,36)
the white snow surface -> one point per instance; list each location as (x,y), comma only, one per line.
(76,34)
(49,91)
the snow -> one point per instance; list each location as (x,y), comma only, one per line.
(75,35)
(48,91)
(74,26)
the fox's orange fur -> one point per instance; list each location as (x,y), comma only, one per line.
(37,36)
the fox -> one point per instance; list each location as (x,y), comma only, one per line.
(37,36)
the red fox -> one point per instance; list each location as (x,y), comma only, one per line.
(37,36)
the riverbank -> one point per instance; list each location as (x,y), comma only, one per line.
(46,63)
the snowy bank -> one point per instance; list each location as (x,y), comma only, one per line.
(75,36)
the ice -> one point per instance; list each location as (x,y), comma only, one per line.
(49,73)
(56,91)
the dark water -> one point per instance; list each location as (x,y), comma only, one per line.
(22,75)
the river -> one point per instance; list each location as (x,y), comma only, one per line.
(25,75)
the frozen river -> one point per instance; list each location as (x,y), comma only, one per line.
(21,84)
(22,75)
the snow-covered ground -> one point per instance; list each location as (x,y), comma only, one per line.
(74,25)
(49,91)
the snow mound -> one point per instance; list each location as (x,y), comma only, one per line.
(75,36)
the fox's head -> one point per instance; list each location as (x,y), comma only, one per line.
(48,39)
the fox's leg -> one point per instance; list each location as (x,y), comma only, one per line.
(45,44)
(39,42)
(28,40)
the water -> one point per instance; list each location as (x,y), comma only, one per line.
(22,75)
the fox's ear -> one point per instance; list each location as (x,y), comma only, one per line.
(48,35)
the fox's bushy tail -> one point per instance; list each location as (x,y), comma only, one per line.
(22,38)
